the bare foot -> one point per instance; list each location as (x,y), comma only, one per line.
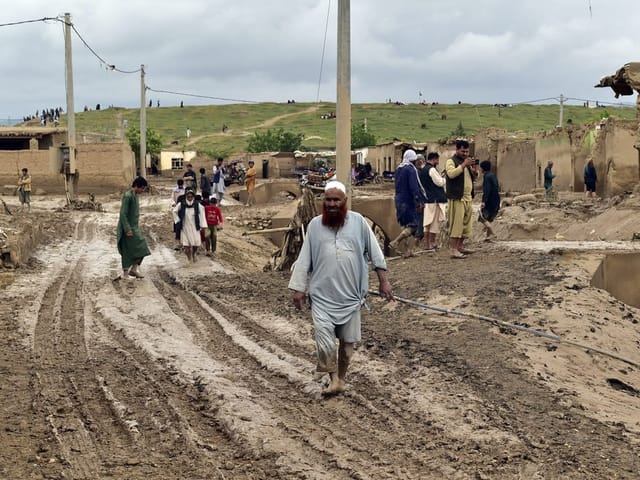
(336,387)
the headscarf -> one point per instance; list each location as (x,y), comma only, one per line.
(408,157)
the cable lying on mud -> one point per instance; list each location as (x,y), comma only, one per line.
(513,326)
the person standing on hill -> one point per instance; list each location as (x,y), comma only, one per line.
(590,179)
(132,246)
(460,172)
(24,189)
(250,182)
(333,266)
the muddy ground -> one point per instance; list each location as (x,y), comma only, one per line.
(206,371)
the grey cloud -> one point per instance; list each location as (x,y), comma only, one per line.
(490,51)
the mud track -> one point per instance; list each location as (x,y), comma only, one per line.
(201,372)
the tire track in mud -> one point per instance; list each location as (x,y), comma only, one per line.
(351,434)
(61,355)
(173,417)
(112,410)
(466,411)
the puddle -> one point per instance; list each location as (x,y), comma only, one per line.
(618,274)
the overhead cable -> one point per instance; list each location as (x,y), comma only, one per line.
(201,96)
(324,46)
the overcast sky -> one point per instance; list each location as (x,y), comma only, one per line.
(489,51)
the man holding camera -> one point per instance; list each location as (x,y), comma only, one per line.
(460,170)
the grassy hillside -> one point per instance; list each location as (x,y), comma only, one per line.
(411,122)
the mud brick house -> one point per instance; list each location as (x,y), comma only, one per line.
(103,166)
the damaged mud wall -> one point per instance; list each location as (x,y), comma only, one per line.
(556,148)
(521,160)
(103,167)
(516,165)
(620,166)
(610,144)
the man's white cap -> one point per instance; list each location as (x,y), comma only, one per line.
(337,185)
(410,156)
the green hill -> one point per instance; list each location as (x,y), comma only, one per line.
(412,122)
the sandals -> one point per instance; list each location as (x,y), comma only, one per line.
(458,255)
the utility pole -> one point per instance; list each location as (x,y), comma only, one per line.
(343,107)
(561,110)
(70,167)
(143,124)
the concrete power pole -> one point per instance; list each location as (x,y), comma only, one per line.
(561,110)
(143,124)
(70,167)
(343,108)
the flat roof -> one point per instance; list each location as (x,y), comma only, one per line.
(30,131)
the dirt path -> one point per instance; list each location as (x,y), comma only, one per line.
(206,371)
(267,123)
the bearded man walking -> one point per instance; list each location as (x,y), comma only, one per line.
(333,268)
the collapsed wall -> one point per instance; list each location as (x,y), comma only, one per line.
(520,159)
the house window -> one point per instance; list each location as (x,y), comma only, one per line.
(177,163)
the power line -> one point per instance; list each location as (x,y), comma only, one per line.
(103,61)
(624,104)
(324,46)
(535,101)
(22,22)
(58,19)
(202,96)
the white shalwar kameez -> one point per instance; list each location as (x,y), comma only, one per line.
(333,266)
(219,186)
(190,235)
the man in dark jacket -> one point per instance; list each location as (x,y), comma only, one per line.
(205,184)
(490,198)
(548,180)
(410,199)
(590,179)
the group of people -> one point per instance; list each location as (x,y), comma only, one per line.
(197,217)
(425,198)
(590,178)
(196,220)
(215,185)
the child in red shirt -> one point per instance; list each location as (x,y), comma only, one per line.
(213,215)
